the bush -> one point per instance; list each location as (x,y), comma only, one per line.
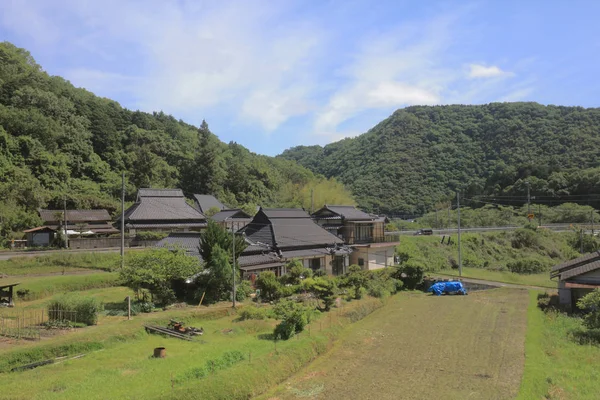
(590,304)
(252,312)
(74,308)
(590,243)
(284,330)
(524,238)
(410,274)
(269,286)
(243,290)
(294,318)
(527,266)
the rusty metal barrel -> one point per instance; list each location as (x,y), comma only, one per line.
(160,352)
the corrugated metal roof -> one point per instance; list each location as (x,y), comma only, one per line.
(149,192)
(75,215)
(205,202)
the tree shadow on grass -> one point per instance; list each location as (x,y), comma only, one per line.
(585,336)
(266,336)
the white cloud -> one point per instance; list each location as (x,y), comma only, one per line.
(481,71)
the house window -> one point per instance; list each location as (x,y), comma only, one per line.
(361,262)
(315,264)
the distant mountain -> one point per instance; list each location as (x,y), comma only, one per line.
(420,155)
(60,142)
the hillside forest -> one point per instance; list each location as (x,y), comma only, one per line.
(58,142)
(415,160)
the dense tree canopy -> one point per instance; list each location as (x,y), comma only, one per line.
(420,155)
(58,141)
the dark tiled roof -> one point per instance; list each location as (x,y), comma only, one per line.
(165,225)
(577,261)
(285,213)
(147,192)
(285,228)
(256,259)
(320,252)
(205,202)
(189,241)
(163,209)
(582,269)
(230,214)
(76,215)
(258,267)
(349,213)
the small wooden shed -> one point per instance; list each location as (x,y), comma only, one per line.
(7,295)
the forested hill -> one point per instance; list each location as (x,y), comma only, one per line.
(419,156)
(58,141)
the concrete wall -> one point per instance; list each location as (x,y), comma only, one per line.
(374,258)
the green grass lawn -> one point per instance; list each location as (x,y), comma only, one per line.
(59,263)
(556,366)
(119,365)
(44,286)
(542,280)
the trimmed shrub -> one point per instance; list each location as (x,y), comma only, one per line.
(74,308)
(590,303)
(243,290)
(252,312)
(269,286)
(410,274)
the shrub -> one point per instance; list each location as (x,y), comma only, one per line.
(296,272)
(252,312)
(590,303)
(74,308)
(243,290)
(411,275)
(284,330)
(269,286)
(524,238)
(323,289)
(294,317)
(527,266)
(590,243)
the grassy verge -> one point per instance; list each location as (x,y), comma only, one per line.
(124,368)
(41,287)
(58,263)
(556,366)
(542,280)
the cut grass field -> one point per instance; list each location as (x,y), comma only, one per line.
(556,365)
(59,263)
(119,363)
(541,280)
(424,347)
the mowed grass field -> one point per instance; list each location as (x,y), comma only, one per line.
(424,347)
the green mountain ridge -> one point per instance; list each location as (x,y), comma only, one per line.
(60,142)
(419,156)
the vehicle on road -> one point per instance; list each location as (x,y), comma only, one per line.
(425,232)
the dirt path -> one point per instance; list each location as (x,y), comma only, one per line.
(424,347)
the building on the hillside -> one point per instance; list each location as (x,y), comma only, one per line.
(365,233)
(162,210)
(576,278)
(186,241)
(232,219)
(83,223)
(204,202)
(279,235)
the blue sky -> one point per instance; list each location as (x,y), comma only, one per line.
(275,74)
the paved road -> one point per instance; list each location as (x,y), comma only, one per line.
(439,232)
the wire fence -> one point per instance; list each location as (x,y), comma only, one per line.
(29,323)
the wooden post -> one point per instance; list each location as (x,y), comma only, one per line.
(128,308)
(199,304)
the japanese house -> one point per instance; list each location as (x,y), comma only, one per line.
(204,202)
(364,232)
(576,278)
(82,223)
(278,235)
(163,210)
(232,219)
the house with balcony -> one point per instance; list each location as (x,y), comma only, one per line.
(276,236)
(365,233)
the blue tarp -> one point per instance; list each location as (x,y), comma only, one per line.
(447,287)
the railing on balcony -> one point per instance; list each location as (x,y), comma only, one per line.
(386,238)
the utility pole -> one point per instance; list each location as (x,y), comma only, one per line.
(233,262)
(528,200)
(459,248)
(65,221)
(122,220)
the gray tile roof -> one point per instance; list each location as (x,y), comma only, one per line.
(288,228)
(577,261)
(582,269)
(205,202)
(255,259)
(189,241)
(163,209)
(165,225)
(76,215)
(147,192)
(577,266)
(227,215)
(349,213)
